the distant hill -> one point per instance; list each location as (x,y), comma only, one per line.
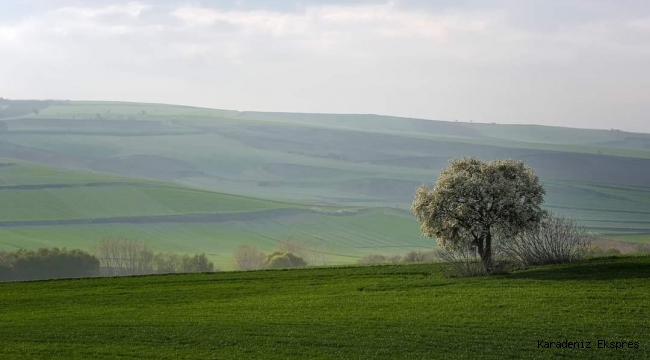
(600,177)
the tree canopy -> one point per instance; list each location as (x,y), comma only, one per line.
(474,200)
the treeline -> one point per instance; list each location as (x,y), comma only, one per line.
(114,257)
(124,256)
(47,264)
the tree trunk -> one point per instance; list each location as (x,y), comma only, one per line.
(487,262)
(485,251)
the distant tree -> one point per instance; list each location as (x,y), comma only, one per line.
(196,263)
(419,256)
(474,201)
(35,111)
(248,258)
(45,263)
(124,256)
(167,263)
(293,245)
(283,259)
(316,254)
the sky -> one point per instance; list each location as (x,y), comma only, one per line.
(577,63)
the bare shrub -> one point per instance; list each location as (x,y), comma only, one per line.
(419,256)
(372,259)
(460,262)
(248,258)
(556,240)
(124,256)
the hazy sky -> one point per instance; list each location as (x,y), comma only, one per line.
(582,63)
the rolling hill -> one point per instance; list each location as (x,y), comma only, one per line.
(186,177)
(65,208)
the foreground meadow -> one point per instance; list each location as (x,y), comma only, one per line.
(380,312)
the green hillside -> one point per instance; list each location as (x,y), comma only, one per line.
(599,177)
(64,208)
(344,238)
(203,180)
(376,312)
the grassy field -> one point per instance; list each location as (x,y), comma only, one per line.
(377,312)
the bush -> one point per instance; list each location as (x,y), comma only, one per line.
(283,259)
(466,262)
(555,241)
(248,258)
(462,262)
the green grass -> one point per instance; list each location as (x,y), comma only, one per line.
(378,312)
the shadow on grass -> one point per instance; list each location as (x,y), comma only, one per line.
(603,269)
